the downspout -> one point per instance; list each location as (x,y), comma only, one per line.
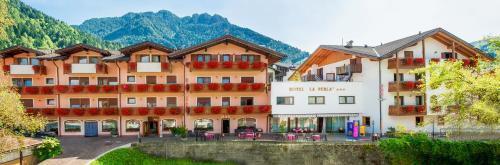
(380,99)
(119,98)
(185,91)
(58,97)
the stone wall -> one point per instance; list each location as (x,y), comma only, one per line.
(262,153)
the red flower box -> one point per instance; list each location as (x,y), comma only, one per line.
(143,111)
(242,86)
(409,61)
(93,88)
(243,65)
(409,108)
(48,111)
(257,86)
(257,65)
(231,109)
(216,109)
(142,87)
(126,111)
(61,88)
(198,64)
(126,87)
(409,84)
(31,90)
(264,108)
(199,109)
(212,64)
(62,111)
(30,111)
(198,87)
(109,88)
(47,90)
(164,66)
(227,64)
(93,111)
(213,86)
(419,60)
(174,87)
(78,111)
(174,111)
(36,68)
(227,86)
(159,111)
(77,88)
(435,59)
(6,68)
(158,87)
(248,109)
(466,62)
(110,111)
(420,108)
(132,65)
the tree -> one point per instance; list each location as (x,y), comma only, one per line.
(14,122)
(471,96)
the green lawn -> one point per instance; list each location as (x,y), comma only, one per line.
(133,156)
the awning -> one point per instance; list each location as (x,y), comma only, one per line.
(318,115)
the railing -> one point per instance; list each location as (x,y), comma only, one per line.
(227,65)
(348,69)
(124,88)
(85,68)
(125,111)
(227,87)
(404,86)
(406,63)
(25,69)
(148,67)
(407,110)
(230,110)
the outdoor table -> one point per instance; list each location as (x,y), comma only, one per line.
(291,137)
(316,137)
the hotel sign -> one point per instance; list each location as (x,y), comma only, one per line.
(315,89)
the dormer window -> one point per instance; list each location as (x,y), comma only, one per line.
(149,59)
(87,60)
(203,57)
(27,61)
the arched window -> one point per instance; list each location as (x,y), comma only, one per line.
(132,125)
(204,124)
(247,122)
(168,124)
(109,125)
(72,126)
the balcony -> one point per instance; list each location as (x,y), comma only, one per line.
(407,110)
(227,65)
(151,88)
(25,69)
(85,68)
(227,87)
(404,86)
(230,110)
(148,67)
(124,111)
(124,88)
(406,63)
(348,69)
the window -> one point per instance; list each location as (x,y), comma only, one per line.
(144,58)
(419,120)
(347,100)
(171,80)
(419,100)
(284,100)
(203,101)
(204,124)
(168,124)
(35,61)
(226,80)
(27,103)
(109,125)
(151,102)
(330,76)
(408,54)
(401,100)
(82,60)
(79,103)
(226,101)
(131,100)
(246,101)
(247,79)
(366,121)
(107,102)
(447,55)
(49,81)
(20,82)
(203,80)
(226,57)
(203,57)
(72,126)
(51,102)
(418,77)
(94,60)
(51,126)
(171,102)
(155,58)
(316,99)
(23,61)
(249,58)
(107,81)
(247,122)
(401,77)
(78,81)
(130,78)
(132,126)
(150,79)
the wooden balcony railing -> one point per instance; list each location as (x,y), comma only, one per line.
(404,86)
(100,68)
(230,110)
(25,69)
(123,88)
(351,68)
(406,63)
(227,87)
(162,67)
(227,65)
(407,110)
(124,111)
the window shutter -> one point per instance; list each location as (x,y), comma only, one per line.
(257,58)
(75,59)
(137,58)
(237,58)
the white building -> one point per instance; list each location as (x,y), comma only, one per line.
(367,80)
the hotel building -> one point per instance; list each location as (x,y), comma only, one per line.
(146,88)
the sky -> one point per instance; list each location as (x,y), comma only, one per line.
(306,24)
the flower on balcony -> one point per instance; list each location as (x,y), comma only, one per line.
(61,88)
(227,86)
(77,88)
(216,109)
(142,87)
(47,90)
(126,111)
(231,109)
(109,88)
(435,59)
(199,109)
(409,84)
(212,64)
(198,87)
(213,86)
(419,60)
(257,65)
(198,64)
(93,88)
(48,111)
(174,87)
(158,87)
(6,68)
(409,108)
(126,87)
(420,108)
(159,111)
(30,111)
(243,65)
(409,61)
(164,66)
(227,64)
(466,62)
(62,111)
(143,111)
(264,108)
(67,68)
(242,86)
(93,111)
(110,111)
(78,111)
(132,65)
(257,86)
(31,90)
(248,109)
(174,111)
(36,68)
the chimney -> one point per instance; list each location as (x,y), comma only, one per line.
(349,44)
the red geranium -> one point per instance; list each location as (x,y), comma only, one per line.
(93,88)
(243,65)
(264,108)
(257,65)
(61,88)
(159,111)
(31,111)
(62,111)
(174,111)
(48,111)
(143,111)
(109,88)
(31,90)
(159,87)
(132,65)
(409,61)
(231,109)
(6,68)
(199,109)
(164,66)
(419,60)
(227,64)
(242,86)
(227,86)
(248,109)
(420,108)
(213,86)
(126,87)
(174,87)
(216,109)
(410,84)
(126,111)
(212,64)
(47,89)
(93,111)
(409,108)
(198,87)
(78,111)
(257,86)
(142,87)
(110,111)
(77,88)
(466,62)
(198,64)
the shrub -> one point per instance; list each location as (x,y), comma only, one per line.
(49,148)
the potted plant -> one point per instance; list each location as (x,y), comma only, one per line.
(182,132)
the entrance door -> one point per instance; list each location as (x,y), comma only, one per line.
(145,127)
(225,126)
(320,124)
(90,128)
(153,127)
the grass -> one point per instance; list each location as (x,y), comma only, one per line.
(133,156)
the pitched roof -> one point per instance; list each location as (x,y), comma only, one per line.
(144,45)
(11,51)
(116,56)
(80,47)
(273,55)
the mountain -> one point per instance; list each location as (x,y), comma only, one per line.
(21,24)
(485,45)
(178,32)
